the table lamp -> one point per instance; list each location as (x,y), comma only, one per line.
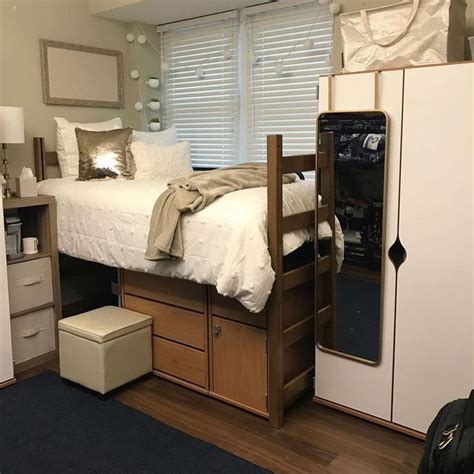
(12,131)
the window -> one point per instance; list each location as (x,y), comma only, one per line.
(231,83)
(298,40)
(201,90)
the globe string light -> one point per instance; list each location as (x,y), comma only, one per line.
(308,42)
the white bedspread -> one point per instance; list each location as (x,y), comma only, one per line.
(225,244)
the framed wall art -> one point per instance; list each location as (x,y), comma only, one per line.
(81,75)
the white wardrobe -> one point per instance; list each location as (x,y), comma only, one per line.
(6,358)
(427,332)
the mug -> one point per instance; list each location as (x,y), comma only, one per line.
(30,245)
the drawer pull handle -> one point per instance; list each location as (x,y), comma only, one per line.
(217,330)
(30,281)
(31,332)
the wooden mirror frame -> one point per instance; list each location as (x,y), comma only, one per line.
(325,176)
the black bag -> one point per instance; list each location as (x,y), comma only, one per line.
(449,446)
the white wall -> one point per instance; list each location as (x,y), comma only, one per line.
(6,359)
(22,24)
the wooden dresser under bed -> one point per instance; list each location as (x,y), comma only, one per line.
(212,344)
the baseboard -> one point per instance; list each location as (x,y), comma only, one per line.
(7,383)
(30,364)
(371,418)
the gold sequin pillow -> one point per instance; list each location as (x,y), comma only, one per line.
(104,154)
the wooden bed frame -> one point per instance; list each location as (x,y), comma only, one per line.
(212,344)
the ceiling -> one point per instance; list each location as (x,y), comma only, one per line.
(158,12)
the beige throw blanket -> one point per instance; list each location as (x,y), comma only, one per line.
(193,193)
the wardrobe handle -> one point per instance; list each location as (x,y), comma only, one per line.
(397,254)
(217,330)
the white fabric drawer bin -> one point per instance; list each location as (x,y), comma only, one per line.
(33,335)
(30,284)
(105,348)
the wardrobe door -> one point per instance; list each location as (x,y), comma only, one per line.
(434,323)
(341,381)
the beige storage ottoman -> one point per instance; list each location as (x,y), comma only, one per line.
(105,348)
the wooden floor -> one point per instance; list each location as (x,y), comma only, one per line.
(314,438)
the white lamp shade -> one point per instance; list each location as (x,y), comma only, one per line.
(12,125)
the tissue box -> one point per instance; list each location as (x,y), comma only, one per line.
(26,187)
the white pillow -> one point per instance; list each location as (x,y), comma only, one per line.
(166,137)
(66,141)
(161,162)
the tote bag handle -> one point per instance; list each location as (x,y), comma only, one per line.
(365,22)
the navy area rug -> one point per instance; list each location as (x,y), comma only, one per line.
(47,426)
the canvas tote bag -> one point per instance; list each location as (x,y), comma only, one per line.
(404,34)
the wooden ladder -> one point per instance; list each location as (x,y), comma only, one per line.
(292,304)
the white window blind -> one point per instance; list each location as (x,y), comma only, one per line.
(204,107)
(286,103)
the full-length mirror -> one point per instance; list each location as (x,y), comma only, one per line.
(349,298)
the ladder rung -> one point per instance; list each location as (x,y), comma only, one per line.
(303,220)
(324,264)
(298,384)
(298,163)
(324,315)
(298,276)
(298,331)
(323,213)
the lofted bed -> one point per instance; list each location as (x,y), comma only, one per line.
(259,361)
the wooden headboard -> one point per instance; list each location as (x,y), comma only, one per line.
(45,161)
(47,164)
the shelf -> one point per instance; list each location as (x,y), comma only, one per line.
(18,203)
(29,258)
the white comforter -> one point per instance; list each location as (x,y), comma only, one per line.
(225,244)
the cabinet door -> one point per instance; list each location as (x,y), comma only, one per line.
(240,363)
(434,322)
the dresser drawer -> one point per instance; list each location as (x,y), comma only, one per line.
(180,361)
(178,324)
(33,335)
(230,308)
(30,284)
(175,291)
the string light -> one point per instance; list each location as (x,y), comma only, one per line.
(227,53)
(142,39)
(279,67)
(130,37)
(200,72)
(308,42)
(154,105)
(134,74)
(334,8)
(153,82)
